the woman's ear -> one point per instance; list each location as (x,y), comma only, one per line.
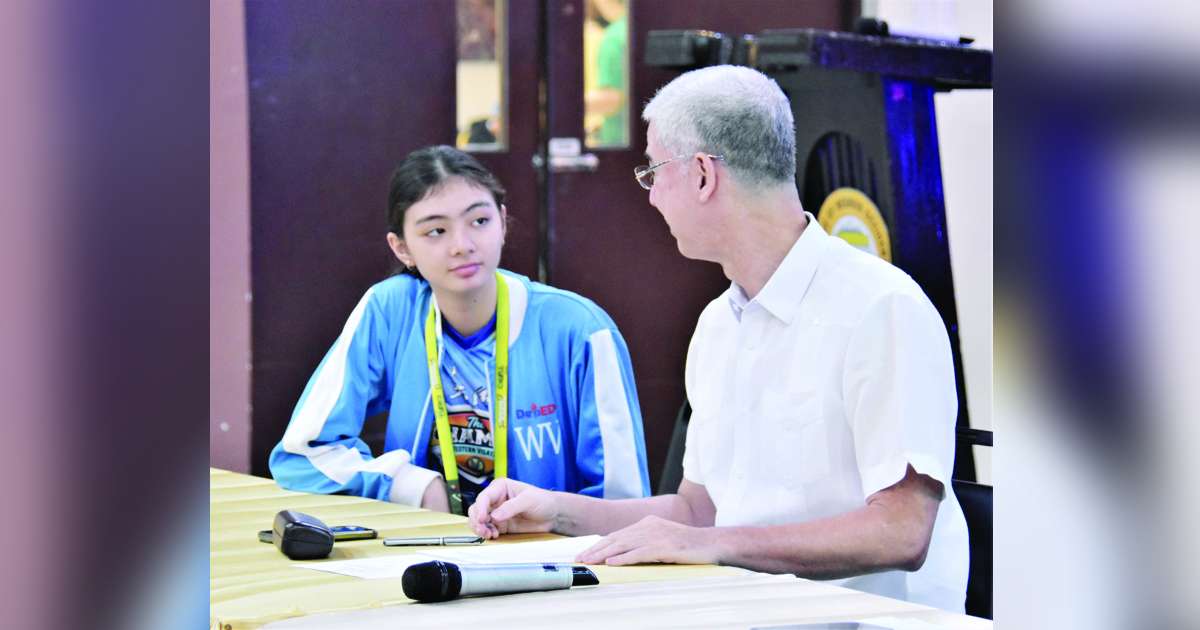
(400,249)
(503,220)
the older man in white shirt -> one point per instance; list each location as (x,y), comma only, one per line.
(822,384)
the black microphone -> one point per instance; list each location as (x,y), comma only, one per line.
(439,581)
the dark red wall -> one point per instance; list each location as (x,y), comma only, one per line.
(339,93)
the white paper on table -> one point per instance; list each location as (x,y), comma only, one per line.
(560,550)
(393,566)
(376,568)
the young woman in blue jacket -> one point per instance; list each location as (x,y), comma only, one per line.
(522,380)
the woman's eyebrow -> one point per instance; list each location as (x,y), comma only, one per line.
(477,204)
(435,217)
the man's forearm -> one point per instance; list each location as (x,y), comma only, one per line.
(580,515)
(849,544)
(891,532)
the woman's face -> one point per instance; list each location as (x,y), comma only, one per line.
(453,237)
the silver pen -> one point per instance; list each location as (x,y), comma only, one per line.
(430,541)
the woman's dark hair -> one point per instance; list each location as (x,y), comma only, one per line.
(426,170)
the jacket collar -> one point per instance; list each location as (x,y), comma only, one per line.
(518,302)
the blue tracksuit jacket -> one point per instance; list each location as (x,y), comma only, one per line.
(574,422)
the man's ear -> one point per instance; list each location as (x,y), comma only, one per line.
(707,181)
(399,249)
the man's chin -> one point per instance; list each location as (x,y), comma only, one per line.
(690,252)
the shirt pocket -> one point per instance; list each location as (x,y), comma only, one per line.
(798,435)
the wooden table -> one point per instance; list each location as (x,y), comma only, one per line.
(253,585)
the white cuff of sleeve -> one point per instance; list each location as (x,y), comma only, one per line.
(409,483)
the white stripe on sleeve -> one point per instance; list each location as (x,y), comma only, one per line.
(622,475)
(335,461)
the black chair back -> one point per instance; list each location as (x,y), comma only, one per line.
(672,472)
(976,502)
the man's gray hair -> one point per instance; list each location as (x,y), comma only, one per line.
(733,111)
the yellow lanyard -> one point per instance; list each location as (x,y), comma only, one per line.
(499,402)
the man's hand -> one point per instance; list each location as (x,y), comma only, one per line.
(512,507)
(435,497)
(655,539)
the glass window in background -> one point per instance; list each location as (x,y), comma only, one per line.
(480,77)
(606,73)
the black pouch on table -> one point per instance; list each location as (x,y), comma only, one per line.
(300,536)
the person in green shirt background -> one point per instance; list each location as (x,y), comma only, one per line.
(606,98)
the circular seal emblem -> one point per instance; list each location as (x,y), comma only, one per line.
(850,215)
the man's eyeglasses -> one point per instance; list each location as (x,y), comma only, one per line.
(645,174)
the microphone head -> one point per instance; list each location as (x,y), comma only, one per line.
(435,581)
(583,576)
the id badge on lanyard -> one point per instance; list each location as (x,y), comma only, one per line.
(499,403)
